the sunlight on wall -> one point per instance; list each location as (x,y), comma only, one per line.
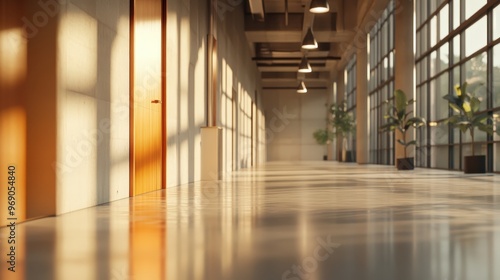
(78,45)
(173,84)
(13,68)
(13,153)
(12,57)
(78,138)
(119,115)
(199,105)
(184,102)
(78,132)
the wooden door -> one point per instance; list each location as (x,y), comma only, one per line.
(147,91)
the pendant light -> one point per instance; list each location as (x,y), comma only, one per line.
(319,6)
(309,42)
(304,66)
(302,88)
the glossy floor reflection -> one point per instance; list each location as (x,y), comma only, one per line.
(281,221)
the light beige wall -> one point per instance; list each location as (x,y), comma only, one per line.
(239,83)
(92,103)
(291,120)
(186,88)
(71,84)
(238,80)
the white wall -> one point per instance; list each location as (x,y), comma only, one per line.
(238,80)
(93,103)
(186,88)
(291,120)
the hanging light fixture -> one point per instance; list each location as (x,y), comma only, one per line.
(319,6)
(302,88)
(304,66)
(309,42)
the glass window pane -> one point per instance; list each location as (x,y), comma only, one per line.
(476,77)
(456,14)
(456,49)
(425,72)
(433,63)
(456,80)
(440,105)
(439,157)
(417,71)
(456,157)
(444,56)
(433,95)
(424,43)
(496,23)
(419,47)
(496,76)
(425,13)
(476,37)
(391,33)
(444,22)
(391,64)
(434,29)
(439,135)
(472,6)
(433,6)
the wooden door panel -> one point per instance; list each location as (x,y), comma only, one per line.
(147,96)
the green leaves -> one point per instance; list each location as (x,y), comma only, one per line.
(322,136)
(399,118)
(467,107)
(401,102)
(342,121)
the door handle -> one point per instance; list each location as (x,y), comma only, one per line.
(156,101)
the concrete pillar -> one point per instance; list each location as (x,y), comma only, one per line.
(404,59)
(362,156)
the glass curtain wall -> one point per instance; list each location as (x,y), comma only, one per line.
(350,98)
(457,41)
(381,85)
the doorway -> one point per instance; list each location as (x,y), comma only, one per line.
(147,92)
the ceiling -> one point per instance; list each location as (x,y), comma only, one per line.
(275,29)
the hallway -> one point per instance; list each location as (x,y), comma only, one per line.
(280,221)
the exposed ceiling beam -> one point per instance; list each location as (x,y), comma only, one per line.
(295,58)
(257,9)
(296,36)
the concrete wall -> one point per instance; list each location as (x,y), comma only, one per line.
(291,120)
(186,88)
(93,102)
(238,81)
(239,92)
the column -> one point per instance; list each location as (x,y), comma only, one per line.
(404,59)
(362,103)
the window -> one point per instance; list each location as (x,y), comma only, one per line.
(350,97)
(457,42)
(381,85)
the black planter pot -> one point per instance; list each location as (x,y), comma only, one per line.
(474,164)
(349,156)
(325,157)
(405,164)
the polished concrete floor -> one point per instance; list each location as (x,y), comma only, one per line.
(280,221)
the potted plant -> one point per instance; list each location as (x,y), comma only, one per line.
(399,118)
(323,137)
(342,123)
(467,105)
